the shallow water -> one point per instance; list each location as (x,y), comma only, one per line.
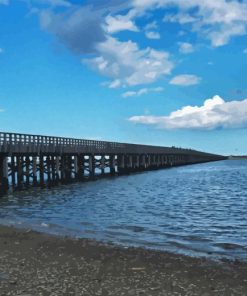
(198,210)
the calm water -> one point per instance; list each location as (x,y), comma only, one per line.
(199,210)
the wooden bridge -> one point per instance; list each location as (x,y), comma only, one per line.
(34,160)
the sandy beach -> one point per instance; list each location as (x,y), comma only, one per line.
(32,263)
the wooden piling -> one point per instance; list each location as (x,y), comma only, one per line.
(91,166)
(34,166)
(27,171)
(13,171)
(41,171)
(19,172)
(4,183)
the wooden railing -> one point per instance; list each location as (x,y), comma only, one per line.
(21,143)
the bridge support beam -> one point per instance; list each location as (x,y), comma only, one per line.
(112,164)
(80,167)
(41,171)
(130,163)
(121,164)
(102,164)
(76,166)
(13,171)
(27,171)
(91,164)
(4,183)
(57,168)
(19,172)
(48,170)
(34,163)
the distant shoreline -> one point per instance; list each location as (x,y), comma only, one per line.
(41,264)
(237,157)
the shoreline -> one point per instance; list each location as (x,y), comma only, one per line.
(33,263)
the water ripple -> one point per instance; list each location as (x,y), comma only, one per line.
(197,210)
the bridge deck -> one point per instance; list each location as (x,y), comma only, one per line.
(13,143)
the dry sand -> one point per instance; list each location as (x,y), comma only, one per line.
(33,264)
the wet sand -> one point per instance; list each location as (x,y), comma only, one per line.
(33,264)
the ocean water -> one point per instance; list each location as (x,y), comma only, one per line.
(197,210)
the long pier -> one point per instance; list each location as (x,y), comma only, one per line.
(34,160)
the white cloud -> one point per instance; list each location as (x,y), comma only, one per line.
(141,92)
(152,35)
(129,65)
(223,36)
(214,113)
(151,30)
(115,83)
(185,80)
(86,30)
(181,18)
(218,20)
(151,26)
(185,47)
(120,23)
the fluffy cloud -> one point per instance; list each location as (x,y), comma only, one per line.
(185,80)
(218,20)
(152,35)
(214,113)
(87,30)
(119,23)
(151,31)
(129,65)
(181,18)
(185,47)
(141,92)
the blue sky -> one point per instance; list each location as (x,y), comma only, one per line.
(162,72)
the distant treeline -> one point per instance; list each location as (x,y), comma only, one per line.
(237,157)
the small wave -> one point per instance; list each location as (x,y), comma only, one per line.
(230,246)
